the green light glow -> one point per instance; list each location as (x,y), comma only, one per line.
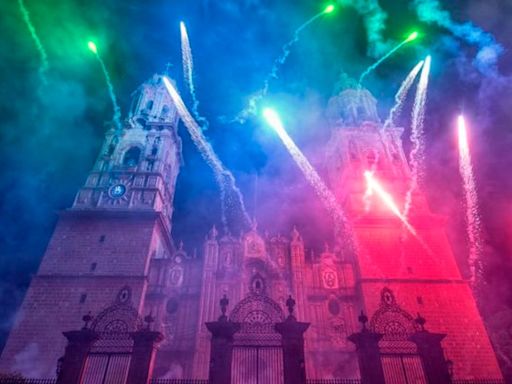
(92,46)
(329,8)
(413,36)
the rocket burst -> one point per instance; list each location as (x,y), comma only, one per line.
(42,52)
(223,176)
(188,73)
(411,37)
(417,139)
(117,111)
(252,106)
(374,185)
(401,95)
(470,199)
(323,192)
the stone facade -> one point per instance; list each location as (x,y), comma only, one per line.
(112,254)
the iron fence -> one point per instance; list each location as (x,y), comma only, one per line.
(333,381)
(22,380)
(179,381)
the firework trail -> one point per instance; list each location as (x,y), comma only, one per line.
(251,108)
(326,196)
(223,177)
(117,111)
(418,116)
(372,67)
(473,224)
(401,95)
(43,68)
(188,73)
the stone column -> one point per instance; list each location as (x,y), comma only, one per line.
(143,356)
(221,347)
(294,363)
(368,354)
(431,353)
(75,355)
(221,350)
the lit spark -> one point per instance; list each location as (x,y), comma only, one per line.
(372,67)
(117,111)
(43,68)
(223,176)
(252,104)
(188,74)
(401,96)
(323,192)
(374,185)
(471,200)
(417,139)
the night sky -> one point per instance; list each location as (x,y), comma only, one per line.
(50,133)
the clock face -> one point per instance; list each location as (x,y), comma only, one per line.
(116,191)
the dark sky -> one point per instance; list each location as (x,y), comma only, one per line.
(50,134)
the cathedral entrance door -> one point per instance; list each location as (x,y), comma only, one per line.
(257,348)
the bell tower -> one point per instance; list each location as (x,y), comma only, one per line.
(419,270)
(106,248)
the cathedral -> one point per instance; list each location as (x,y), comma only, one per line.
(112,263)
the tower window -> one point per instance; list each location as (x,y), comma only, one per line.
(131,157)
(419,299)
(102,238)
(165,112)
(93,266)
(83,297)
(149,106)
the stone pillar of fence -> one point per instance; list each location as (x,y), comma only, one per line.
(435,366)
(75,355)
(368,354)
(292,332)
(221,347)
(142,360)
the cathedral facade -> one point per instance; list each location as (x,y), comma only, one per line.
(112,255)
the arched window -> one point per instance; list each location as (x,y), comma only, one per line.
(131,157)
(149,106)
(165,112)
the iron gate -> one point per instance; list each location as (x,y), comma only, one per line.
(257,365)
(403,368)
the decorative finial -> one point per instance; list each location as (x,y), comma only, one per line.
(87,319)
(180,246)
(420,320)
(148,320)
(213,233)
(295,234)
(254,224)
(290,303)
(224,302)
(363,319)
(168,67)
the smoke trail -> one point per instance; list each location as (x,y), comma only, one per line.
(374,18)
(188,74)
(431,12)
(418,116)
(43,68)
(473,224)
(223,177)
(401,95)
(252,104)
(341,224)
(117,110)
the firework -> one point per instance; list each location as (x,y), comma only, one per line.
(188,73)
(417,139)
(323,192)
(223,176)
(42,52)
(252,105)
(117,111)
(411,37)
(470,199)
